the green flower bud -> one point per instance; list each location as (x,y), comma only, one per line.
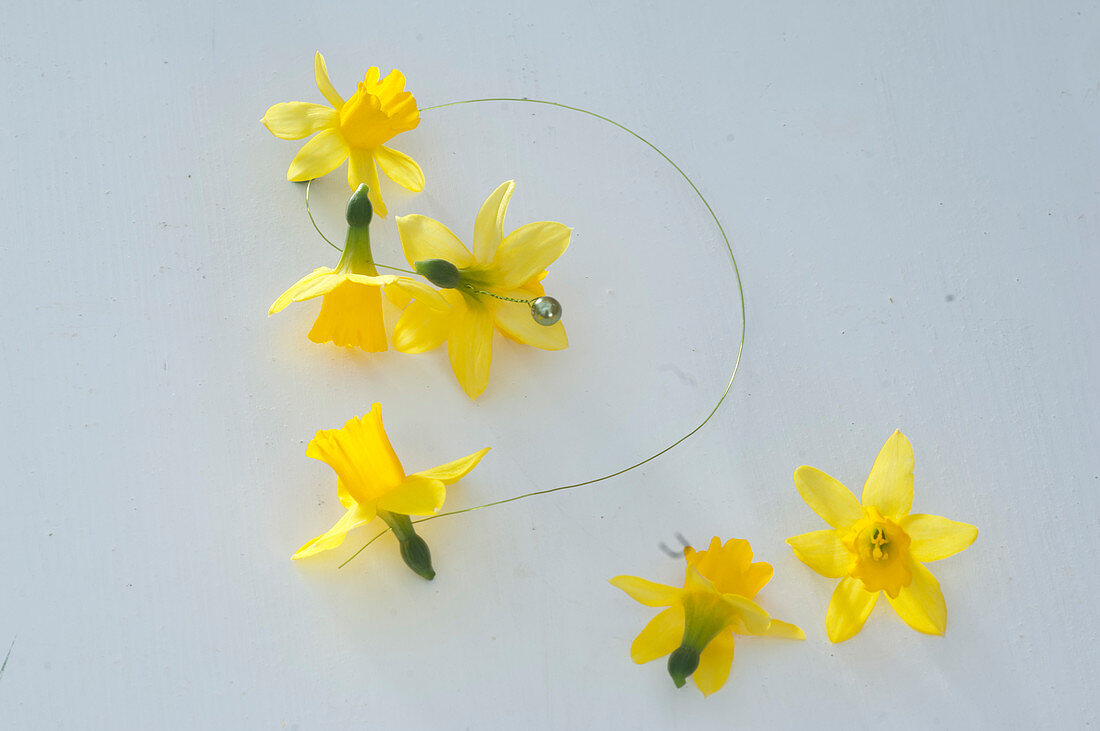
(418,558)
(439,272)
(681,663)
(359,211)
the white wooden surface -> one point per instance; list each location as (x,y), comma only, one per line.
(912,194)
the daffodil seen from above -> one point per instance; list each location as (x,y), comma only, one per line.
(496,286)
(370,482)
(697,629)
(355,130)
(878,546)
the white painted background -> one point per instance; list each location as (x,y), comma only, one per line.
(912,191)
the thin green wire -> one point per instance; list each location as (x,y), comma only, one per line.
(740,345)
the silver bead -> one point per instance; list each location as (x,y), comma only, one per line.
(545,310)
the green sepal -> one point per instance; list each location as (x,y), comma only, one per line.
(418,557)
(439,272)
(681,663)
(414,550)
(359,211)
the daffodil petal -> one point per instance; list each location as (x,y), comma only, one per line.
(889,487)
(823,552)
(514,320)
(749,618)
(933,537)
(848,609)
(489,226)
(422,292)
(399,298)
(527,251)
(422,328)
(314,284)
(320,73)
(400,168)
(424,238)
(356,516)
(452,472)
(295,120)
(660,636)
(835,503)
(470,347)
(417,495)
(362,171)
(361,455)
(379,280)
(715,662)
(921,603)
(695,581)
(648,592)
(784,630)
(320,156)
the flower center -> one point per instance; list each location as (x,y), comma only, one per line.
(880,553)
(877,543)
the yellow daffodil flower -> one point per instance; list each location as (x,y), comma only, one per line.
(370,481)
(355,130)
(351,305)
(499,271)
(878,546)
(699,625)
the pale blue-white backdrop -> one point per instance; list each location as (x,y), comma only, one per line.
(911,191)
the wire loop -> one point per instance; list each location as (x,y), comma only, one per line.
(740,345)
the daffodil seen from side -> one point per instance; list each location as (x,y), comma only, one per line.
(878,546)
(355,130)
(716,603)
(351,305)
(370,482)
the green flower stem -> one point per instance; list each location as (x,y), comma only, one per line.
(357,256)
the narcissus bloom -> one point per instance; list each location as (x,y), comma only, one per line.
(878,546)
(370,481)
(351,308)
(355,130)
(499,267)
(699,625)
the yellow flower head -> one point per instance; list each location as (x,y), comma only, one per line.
(351,305)
(878,546)
(355,130)
(698,627)
(370,481)
(509,267)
